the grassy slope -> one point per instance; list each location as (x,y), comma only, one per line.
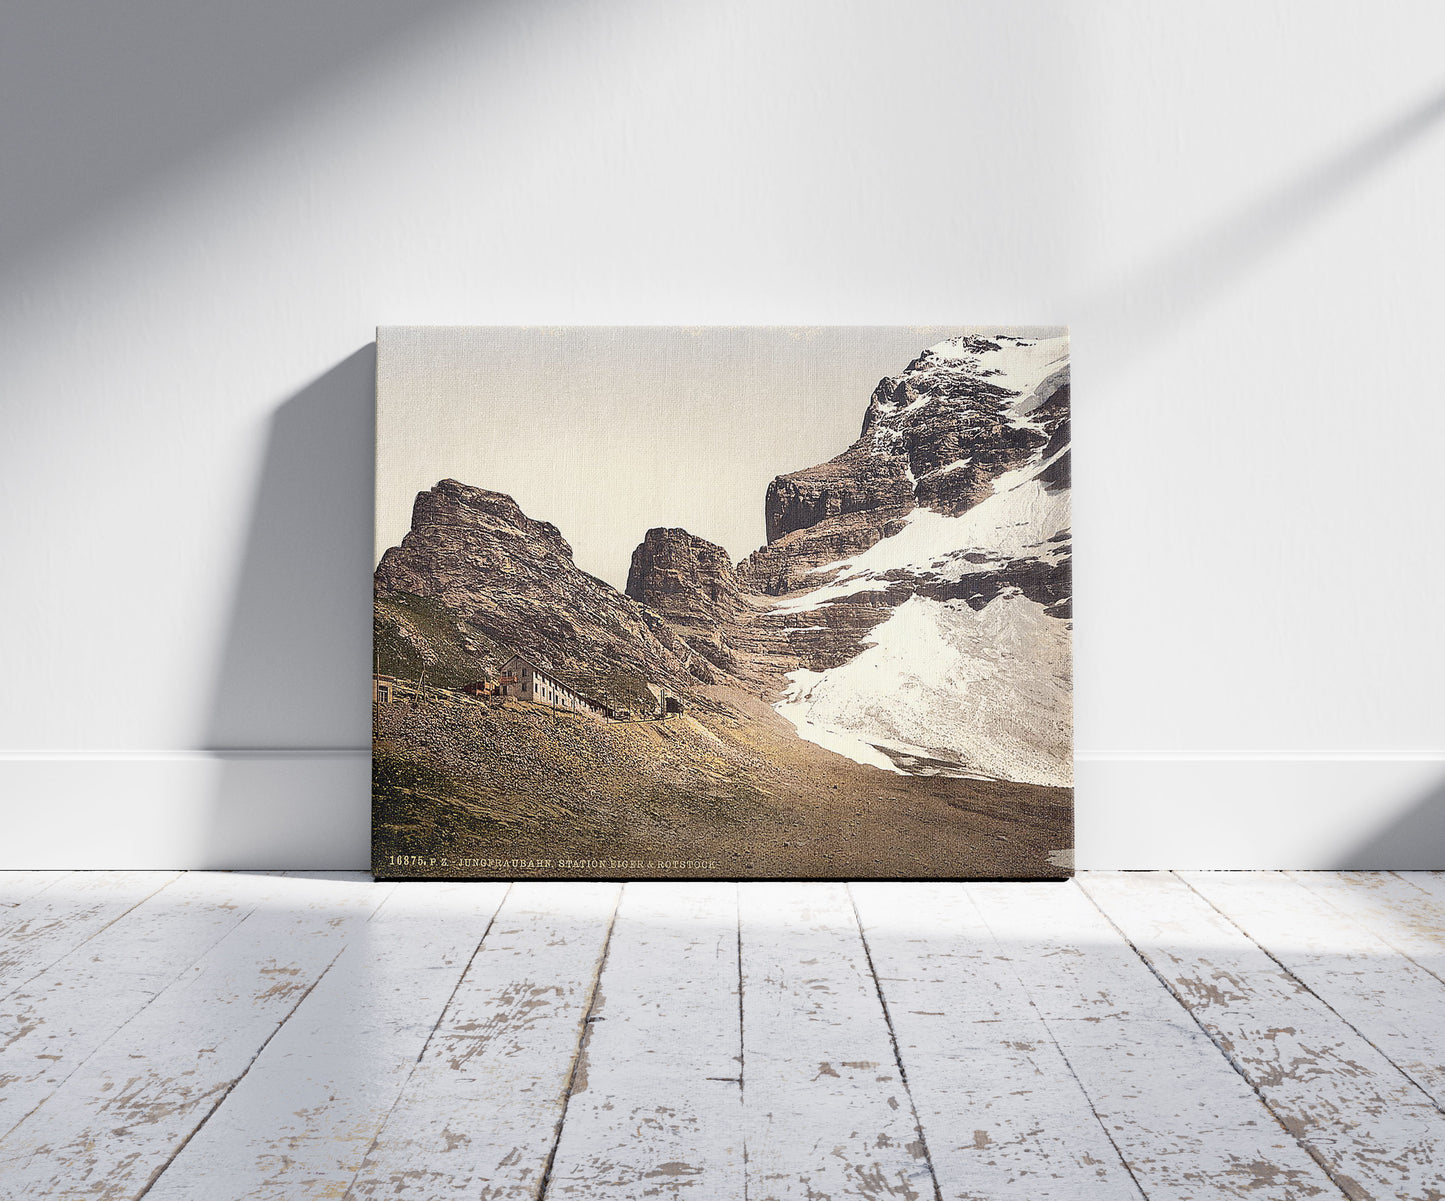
(412,634)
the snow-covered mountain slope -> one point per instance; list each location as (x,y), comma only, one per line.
(969,409)
(939,640)
(1024,518)
(943,689)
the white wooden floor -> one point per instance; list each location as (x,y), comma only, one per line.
(1193,1035)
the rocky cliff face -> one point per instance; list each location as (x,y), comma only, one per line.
(828,512)
(687,579)
(860,480)
(966,411)
(513,579)
(690,582)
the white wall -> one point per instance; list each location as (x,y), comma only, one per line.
(205,208)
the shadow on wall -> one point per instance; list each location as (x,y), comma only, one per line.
(1155,301)
(290,716)
(1414,841)
(117,96)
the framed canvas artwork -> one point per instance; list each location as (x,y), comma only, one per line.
(722,602)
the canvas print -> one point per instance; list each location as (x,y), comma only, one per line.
(723,602)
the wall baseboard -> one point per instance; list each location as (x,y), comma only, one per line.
(297,809)
(1329,812)
(277,809)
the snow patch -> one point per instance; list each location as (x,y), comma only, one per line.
(840,742)
(1006,480)
(989,689)
(956,465)
(1006,525)
(1021,365)
(821,596)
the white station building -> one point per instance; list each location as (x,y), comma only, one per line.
(525,681)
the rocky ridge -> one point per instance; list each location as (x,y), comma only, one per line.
(513,579)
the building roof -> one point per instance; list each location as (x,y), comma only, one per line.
(551,675)
(556,679)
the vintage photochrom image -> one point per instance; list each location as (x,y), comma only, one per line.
(723,602)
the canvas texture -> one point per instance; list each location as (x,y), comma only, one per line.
(723,602)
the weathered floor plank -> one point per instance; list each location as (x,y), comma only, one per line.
(1002,1114)
(1404,909)
(827,1112)
(50,1025)
(1004,1040)
(1186,1124)
(123,1114)
(49,924)
(16,887)
(656,1108)
(1430,883)
(1376,1132)
(300,1122)
(1392,1002)
(480,1113)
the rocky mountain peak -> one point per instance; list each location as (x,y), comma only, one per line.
(687,579)
(512,578)
(935,436)
(967,410)
(453,504)
(690,582)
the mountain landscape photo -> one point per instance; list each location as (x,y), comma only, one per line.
(882,688)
